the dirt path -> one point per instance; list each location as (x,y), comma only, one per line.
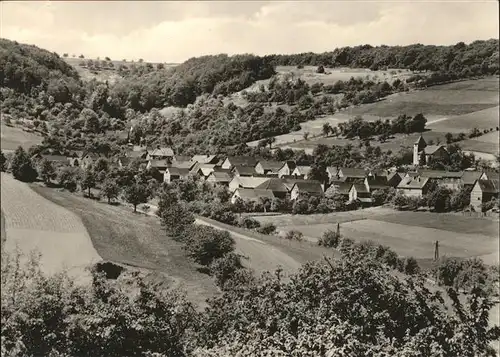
(33,223)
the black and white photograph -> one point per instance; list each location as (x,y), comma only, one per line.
(250,178)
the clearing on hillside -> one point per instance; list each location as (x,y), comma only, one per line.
(12,137)
(34,223)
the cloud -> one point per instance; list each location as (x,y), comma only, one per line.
(175,31)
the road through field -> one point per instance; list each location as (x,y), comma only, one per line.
(33,223)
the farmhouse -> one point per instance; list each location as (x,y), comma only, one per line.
(268,167)
(394,178)
(414,186)
(159,153)
(287,169)
(218,177)
(205,159)
(160,165)
(469,178)
(246,182)
(311,188)
(421,150)
(339,188)
(251,195)
(277,186)
(175,173)
(202,170)
(239,170)
(232,161)
(360,192)
(449,179)
(302,171)
(350,174)
(373,183)
(484,191)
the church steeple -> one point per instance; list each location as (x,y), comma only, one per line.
(418,146)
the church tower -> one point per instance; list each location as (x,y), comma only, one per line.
(418,146)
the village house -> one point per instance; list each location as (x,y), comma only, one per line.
(286,169)
(348,174)
(449,179)
(89,159)
(202,170)
(175,173)
(302,171)
(361,193)
(373,183)
(421,150)
(232,161)
(268,167)
(160,165)
(160,153)
(277,186)
(220,178)
(239,170)
(469,178)
(251,195)
(414,186)
(339,188)
(484,191)
(394,178)
(56,160)
(311,188)
(246,182)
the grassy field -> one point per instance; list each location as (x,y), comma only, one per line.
(12,137)
(408,233)
(33,223)
(482,119)
(136,240)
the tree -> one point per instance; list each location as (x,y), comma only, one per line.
(22,167)
(110,189)
(135,194)
(439,199)
(305,135)
(3,161)
(204,244)
(239,205)
(175,217)
(327,129)
(66,178)
(320,69)
(330,238)
(449,138)
(47,171)
(88,180)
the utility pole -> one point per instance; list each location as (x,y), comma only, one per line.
(436,251)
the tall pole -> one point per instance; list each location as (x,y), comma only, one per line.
(436,251)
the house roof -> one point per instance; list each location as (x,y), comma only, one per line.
(489,186)
(290,182)
(419,140)
(220,176)
(182,158)
(242,160)
(364,199)
(139,148)
(413,182)
(124,160)
(440,174)
(136,154)
(431,149)
(54,158)
(394,174)
(352,172)
(377,182)
(220,169)
(332,171)
(291,165)
(159,163)
(184,164)
(342,187)
(250,182)
(271,165)
(162,152)
(206,169)
(470,177)
(303,169)
(275,185)
(204,159)
(360,188)
(253,194)
(178,171)
(244,170)
(309,186)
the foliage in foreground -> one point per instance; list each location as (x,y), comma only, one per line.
(350,307)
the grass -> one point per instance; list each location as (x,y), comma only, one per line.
(136,240)
(408,233)
(12,137)
(482,119)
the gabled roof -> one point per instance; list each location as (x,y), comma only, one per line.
(413,182)
(440,174)
(420,140)
(159,163)
(291,165)
(244,170)
(206,169)
(250,182)
(253,194)
(220,169)
(489,186)
(332,171)
(220,176)
(275,185)
(162,152)
(271,165)
(136,154)
(290,182)
(54,158)
(360,188)
(177,171)
(431,149)
(470,177)
(242,160)
(309,186)
(394,174)
(377,182)
(139,148)
(184,164)
(342,187)
(204,159)
(352,172)
(182,158)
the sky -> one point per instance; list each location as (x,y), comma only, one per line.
(175,31)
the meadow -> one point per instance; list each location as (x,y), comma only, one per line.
(12,137)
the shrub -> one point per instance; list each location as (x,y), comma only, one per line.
(294,235)
(3,161)
(267,228)
(330,238)
(248,223)
(22,167)
(410,266)
(205,244)
(224,268)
